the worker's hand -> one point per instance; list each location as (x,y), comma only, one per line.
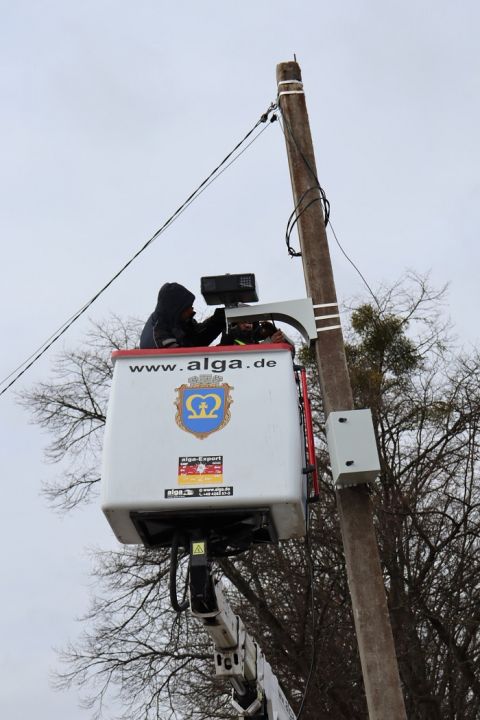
(278,337)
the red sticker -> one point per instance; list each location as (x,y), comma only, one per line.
(200,469)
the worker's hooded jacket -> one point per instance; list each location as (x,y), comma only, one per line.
(165,327)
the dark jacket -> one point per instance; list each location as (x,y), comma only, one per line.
(165,328)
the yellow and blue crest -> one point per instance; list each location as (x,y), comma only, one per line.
(203,405)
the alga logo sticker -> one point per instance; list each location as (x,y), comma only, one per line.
(203,405)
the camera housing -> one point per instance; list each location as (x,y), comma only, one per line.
(229,290)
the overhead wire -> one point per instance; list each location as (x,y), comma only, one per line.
(356,268)
(294,216)
(213,175)
(317,187)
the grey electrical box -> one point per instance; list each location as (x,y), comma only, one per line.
(352,447)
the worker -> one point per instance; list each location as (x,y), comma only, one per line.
(246,332)
(173,324)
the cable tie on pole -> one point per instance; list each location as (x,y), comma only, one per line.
(290,92)
(326,317)
(330,327)
(289,82)
(322,305)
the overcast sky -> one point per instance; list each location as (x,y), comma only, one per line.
(112,113)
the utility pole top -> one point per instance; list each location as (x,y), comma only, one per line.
(289,70)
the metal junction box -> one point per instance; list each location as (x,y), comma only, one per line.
(209,436)
(352,447)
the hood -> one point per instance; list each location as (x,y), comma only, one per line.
(173,298)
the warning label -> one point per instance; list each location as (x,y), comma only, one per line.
(174,493)
(198,548)
(200,469)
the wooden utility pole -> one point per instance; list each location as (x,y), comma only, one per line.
(370,612)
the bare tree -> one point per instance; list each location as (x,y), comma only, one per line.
(426,405)
(294,597)
(73,409)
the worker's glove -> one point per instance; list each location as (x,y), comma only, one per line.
(219,317)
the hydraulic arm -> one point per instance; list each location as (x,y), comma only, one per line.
(256,692)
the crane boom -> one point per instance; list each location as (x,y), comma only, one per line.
(256,692)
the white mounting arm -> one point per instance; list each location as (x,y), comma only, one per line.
(297,313)
(238,658)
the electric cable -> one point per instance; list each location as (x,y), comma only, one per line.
(293,219)
(219,170)
(356,268)
(324,199)
(294,216)
(326,204)
(299,150)
(312,598)
(179,607)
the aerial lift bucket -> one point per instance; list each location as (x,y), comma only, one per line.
(207,438)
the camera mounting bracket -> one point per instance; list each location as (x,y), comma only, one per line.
(297,313)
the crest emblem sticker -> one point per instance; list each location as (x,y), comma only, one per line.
(203,405)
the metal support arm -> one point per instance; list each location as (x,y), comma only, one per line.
(238,659)
(297,313)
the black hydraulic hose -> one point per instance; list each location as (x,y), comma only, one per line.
(178,607)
